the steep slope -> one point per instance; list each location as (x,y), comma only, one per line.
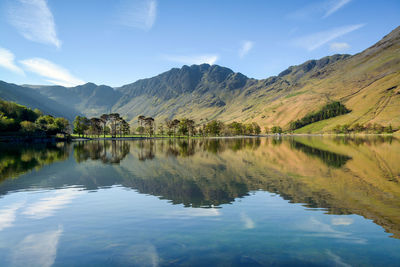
(90,99)
(198,91)
(33,99)
(208,92)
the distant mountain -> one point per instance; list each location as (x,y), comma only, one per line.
(90,99)
(368,83)
(33,99)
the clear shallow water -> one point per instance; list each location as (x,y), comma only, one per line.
(241,202)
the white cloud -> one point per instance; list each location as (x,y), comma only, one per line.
(55,74)
(334,6)
(7,61)
(37,249)
(46,207)
(140,14)
(195,212)
(7,215)
(245,49)
(248,222)
(337,259)
(193,59)
(316,40)
(342,221)
(339,47)
(319,9)
(34,20)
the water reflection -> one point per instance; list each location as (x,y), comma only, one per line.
(17,159)
(343,175)
(107,151)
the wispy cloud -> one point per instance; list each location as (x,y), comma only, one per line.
(195,212)
(7,61)
(46,207)
(339,47)
(193,59)
(8,215)
(34,20)
(247,221)
(245,48)
(334,6)
(37,249)
(321,9)
(342,221)
(55,74)
(316,40)
(140,14)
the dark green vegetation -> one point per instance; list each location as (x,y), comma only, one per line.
(18,159)
(375,128)
(328,111)
(112,124)
(367,83)
(17,118)
(329,158)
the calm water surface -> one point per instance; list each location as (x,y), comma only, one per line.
(232,202)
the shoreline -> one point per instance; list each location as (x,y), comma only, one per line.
(32,139)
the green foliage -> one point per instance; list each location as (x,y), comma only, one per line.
(14,117)
(357,128)
(276,129)
(28,127)
(140,129)
(81,124)
(213,128)
(328,111)
(18,112)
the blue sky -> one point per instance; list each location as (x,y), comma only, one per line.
(118,42)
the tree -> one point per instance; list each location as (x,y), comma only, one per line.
(104,119)
(256,128)
(175,124)
(125,127)
(249,129)
(28,127)
(236,128)
(141,119)
(276,129)
(81,124)
(95,126)
(62,125)
(161,129)
(266,130)
(140,130)
(170,126)
(114,119)
(149,125)
(214,127)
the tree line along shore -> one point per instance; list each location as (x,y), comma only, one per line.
(19,121)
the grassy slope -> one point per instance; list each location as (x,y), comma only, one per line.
(360,82)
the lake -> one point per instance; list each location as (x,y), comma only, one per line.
(305,201)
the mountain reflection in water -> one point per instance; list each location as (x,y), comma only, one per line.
(342,175)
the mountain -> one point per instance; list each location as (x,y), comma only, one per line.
(33,99)
(90,99)
(367,83)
